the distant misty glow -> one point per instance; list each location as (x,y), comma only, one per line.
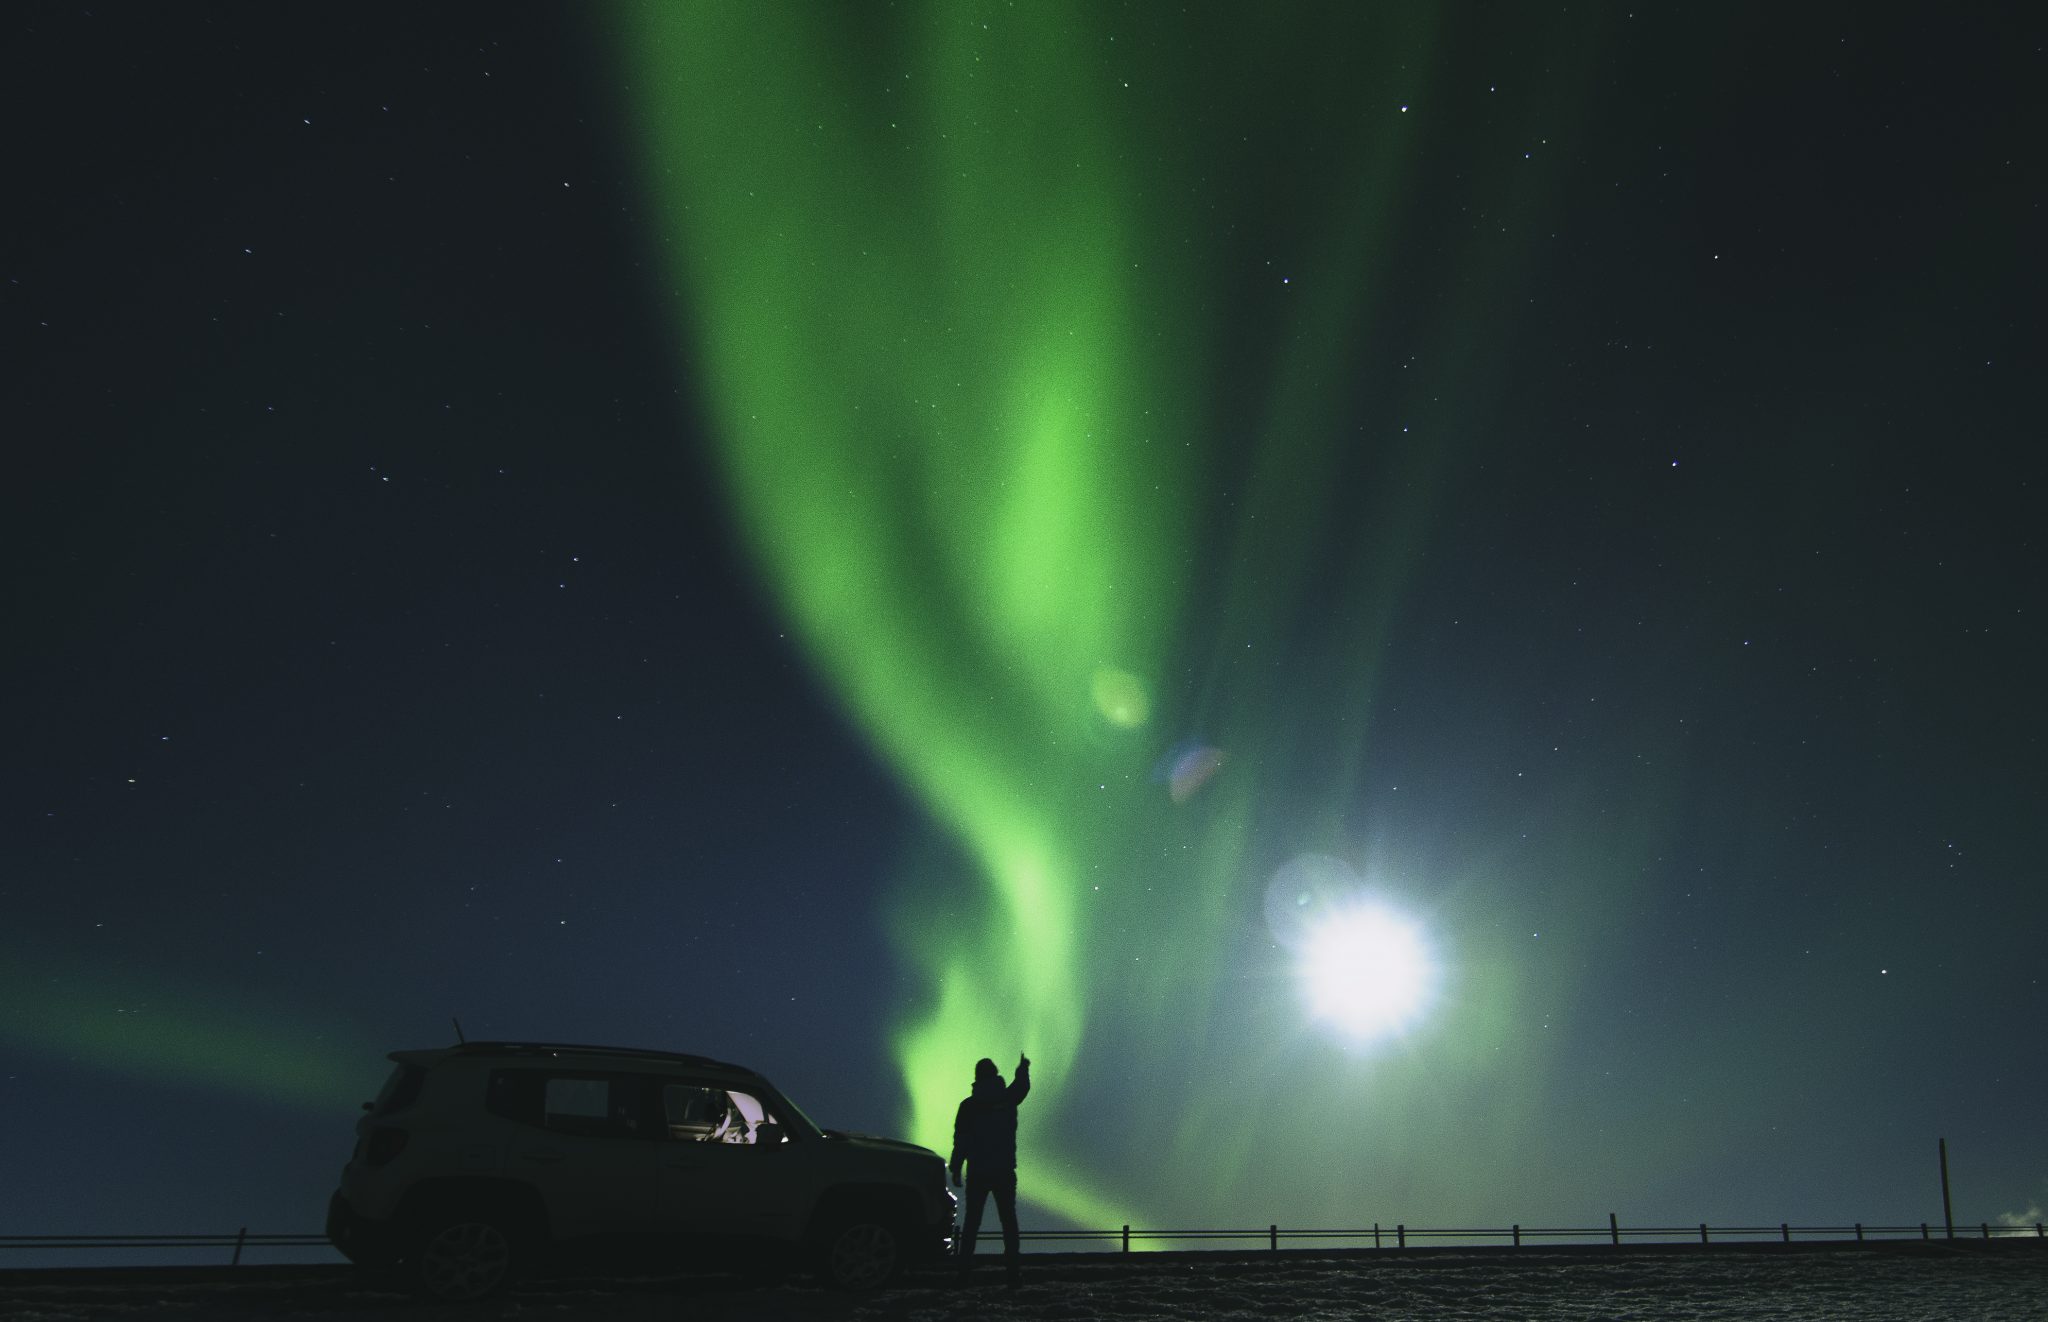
(1367,972)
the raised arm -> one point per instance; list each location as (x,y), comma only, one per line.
(1021,1084)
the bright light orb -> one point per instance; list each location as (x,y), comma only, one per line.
(1368,972)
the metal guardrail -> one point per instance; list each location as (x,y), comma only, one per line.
(238,1241)
(1613,1233)
(1378,1236)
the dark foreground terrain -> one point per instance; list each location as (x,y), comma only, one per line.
(2001,1280)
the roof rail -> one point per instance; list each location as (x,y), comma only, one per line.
(584,1048)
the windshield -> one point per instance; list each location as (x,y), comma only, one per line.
(790,1113)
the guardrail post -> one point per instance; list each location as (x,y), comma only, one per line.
(1785,1231)
(1127,1237)
(1376,1234)
(1518,1234)
(1859,1232)
(1614,1230)
(1703,1232)
(1923,1230)
(1401,1234)
(2037,1231)
(1986,1228)
(1947,1217)
(1273,1237)
(240,1236)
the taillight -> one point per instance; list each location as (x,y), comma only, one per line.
(384,1145)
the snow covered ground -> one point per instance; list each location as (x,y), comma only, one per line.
(1923,1283)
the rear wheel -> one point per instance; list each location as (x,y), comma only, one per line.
(862,1252)
(465,1257)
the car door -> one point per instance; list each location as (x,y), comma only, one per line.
(725,1166)
(588,1155)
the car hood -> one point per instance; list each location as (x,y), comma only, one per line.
(880,1144)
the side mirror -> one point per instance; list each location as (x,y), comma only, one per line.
(767,1133)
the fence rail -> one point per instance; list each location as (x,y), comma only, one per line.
(237,1241)
(1379,1236)
(1399,1235)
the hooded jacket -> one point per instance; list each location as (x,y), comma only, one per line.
(985,1126)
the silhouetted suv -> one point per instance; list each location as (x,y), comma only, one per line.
(475,1159)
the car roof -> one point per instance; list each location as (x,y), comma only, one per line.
(430,1057)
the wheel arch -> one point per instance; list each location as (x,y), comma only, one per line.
(516,1205)
(893,1203)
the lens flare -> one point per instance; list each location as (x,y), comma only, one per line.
(1191,771)
(1305,892)
(1121,698)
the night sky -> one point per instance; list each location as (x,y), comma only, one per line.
(850,538)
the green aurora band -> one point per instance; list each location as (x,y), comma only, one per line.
(1045,482)
(161,1029)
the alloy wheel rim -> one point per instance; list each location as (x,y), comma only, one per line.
(466,1260)
(863,1255)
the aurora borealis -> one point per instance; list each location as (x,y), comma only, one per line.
(854,538)
(944,402)
(952,323)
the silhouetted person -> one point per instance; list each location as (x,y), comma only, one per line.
(985,1138)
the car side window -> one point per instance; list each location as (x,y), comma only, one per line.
(577,1106)
(706,1113)
(593,1105)
(516,1095)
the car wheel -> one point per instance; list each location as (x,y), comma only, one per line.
(862,1253)
(465,1257)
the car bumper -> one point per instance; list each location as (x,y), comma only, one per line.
(361,1240)
(938,1239)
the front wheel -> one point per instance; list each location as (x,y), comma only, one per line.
(465,1258)
(862,1253)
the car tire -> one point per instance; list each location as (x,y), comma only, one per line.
(861,1252)
(465,1256)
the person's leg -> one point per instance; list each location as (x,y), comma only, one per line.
(1005,1191)
(974,1197)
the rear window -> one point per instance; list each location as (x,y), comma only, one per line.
(401,1090)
